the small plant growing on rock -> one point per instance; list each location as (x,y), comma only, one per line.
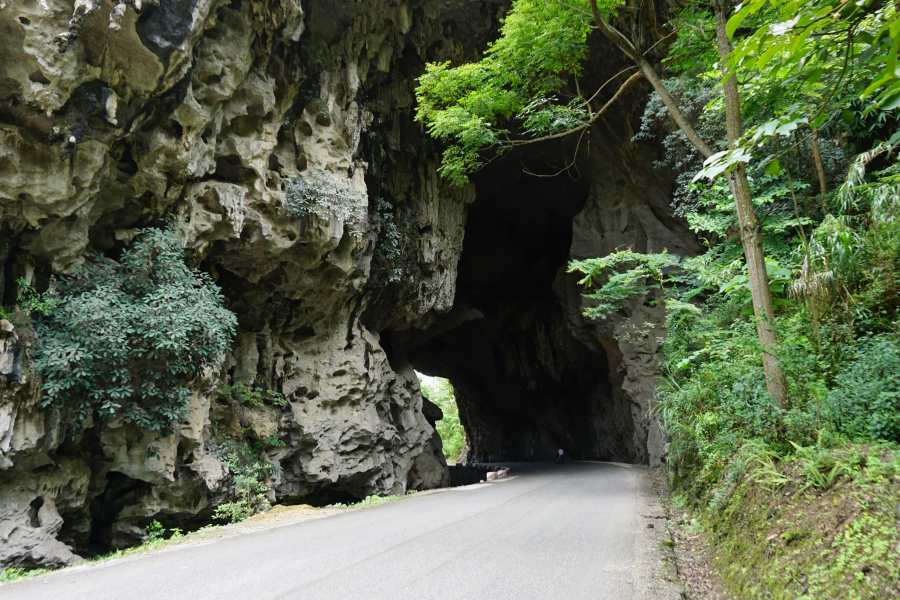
(245,392)
(326,197)
(248,469)
(155,531)
(389,239)
(128,338)
(32,301)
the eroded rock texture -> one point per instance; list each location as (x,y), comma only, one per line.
(116,116)
(121,115)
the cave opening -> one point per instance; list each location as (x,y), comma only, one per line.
(525,383)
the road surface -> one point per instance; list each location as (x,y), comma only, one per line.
(569,532)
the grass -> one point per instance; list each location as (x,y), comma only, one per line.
(14,574)
(375,500)
(820,523)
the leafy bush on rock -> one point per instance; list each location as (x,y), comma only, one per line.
(128,338)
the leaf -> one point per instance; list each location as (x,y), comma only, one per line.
(721,162)
(774,168)
(815,76)
(735,21)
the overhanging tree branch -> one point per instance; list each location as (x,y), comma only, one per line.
(625,45)
(596,115)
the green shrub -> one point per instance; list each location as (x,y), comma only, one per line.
(248,468)
(714,400)
(32,301)
(233,512)
(252,393)
(326,197)
(128,338)
(389,239)
(155,531)
(866,399)
(12,574)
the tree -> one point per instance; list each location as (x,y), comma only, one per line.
(440,392)
(128,338)
(737,179)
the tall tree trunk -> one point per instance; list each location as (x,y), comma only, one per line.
(751,234)
(751,237)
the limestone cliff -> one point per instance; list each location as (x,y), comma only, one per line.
(116,116)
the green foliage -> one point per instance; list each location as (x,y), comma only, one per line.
(29,301)
(475,107)
(128,338)
(793,507)
(374,500)
(866,398)
(625,274)
(32,301)
(634,274)
(440,392)
(820,523)
(155,531)
(234,512)
(714,398)
(325,197)
(249,472)
(840,382)
(820,469)
(801,37)
(389,239)
(252,392)
(13,574)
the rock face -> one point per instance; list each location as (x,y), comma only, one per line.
(117,116)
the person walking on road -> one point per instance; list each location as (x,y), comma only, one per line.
(560,459)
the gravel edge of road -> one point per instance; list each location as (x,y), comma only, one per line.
(692,551)
(654,559)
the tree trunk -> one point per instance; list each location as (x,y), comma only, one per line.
(751,237)
(628,48)
(823,186)
(751,234)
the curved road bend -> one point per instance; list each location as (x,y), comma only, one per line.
(569,532)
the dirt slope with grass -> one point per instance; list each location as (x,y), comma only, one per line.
(823,523)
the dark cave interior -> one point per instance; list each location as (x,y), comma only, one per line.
(525,384)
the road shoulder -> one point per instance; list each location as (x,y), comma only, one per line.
(655,575)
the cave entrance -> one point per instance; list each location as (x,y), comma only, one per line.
(525,384)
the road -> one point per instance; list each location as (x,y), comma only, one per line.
(569,532)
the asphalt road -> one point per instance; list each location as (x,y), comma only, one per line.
(572,531)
